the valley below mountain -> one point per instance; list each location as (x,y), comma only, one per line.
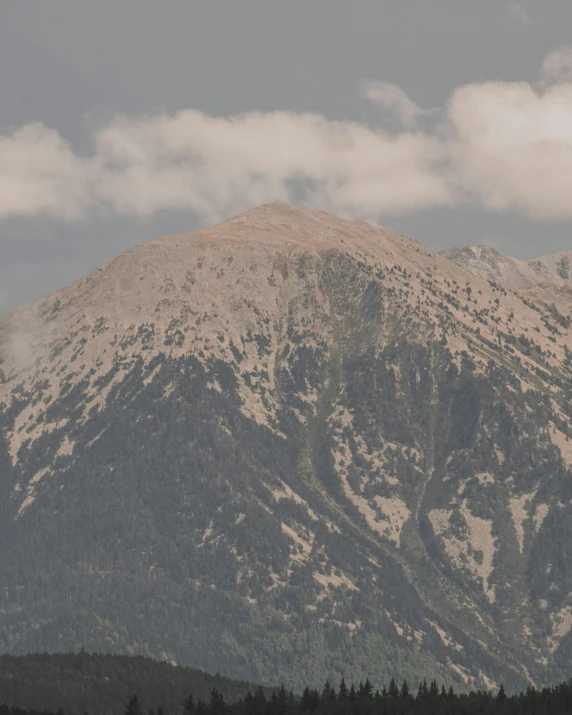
(294,447)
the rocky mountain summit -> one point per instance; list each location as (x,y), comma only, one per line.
(292,447)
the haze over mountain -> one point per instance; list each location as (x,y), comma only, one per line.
(293,447)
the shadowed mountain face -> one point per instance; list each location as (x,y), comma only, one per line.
(291,447)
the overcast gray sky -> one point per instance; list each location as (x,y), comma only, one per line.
(447,120)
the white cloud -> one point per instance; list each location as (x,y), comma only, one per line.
(215,166)
(39,173)
(503,146)
(511,146)
(394,99)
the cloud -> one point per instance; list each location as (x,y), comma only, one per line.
(19,345)
(39,173)
(557,66)
(394,99)
(501,146)
(519,13)
(215,166)
(511,146)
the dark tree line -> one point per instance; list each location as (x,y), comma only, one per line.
(428,699)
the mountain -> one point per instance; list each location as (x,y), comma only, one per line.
(508,272)
(291,447)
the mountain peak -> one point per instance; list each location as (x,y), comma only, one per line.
(279,225)
(278,214)
(270,209)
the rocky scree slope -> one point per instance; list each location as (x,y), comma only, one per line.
(291,447)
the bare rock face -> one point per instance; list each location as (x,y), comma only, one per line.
(294,447)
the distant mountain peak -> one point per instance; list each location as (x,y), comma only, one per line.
(487,262)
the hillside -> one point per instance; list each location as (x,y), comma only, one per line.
(291,447)
(104,684)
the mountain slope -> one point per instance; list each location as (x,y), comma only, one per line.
(290,447)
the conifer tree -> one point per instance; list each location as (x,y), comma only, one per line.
(501,696)
(393,689)
(260,698)
(188,705)
(134,706)
(216,704)
(310,700)
(327,693)
(282,701)
(367,689)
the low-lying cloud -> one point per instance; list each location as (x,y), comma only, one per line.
(502,146)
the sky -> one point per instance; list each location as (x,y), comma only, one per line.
(446,120)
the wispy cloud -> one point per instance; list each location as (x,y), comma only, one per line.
(502,146)
(394,99)
(518,13)
(557,66)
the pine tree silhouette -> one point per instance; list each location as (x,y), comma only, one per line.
(134,706)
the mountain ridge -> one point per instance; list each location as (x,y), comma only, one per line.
(552,269)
